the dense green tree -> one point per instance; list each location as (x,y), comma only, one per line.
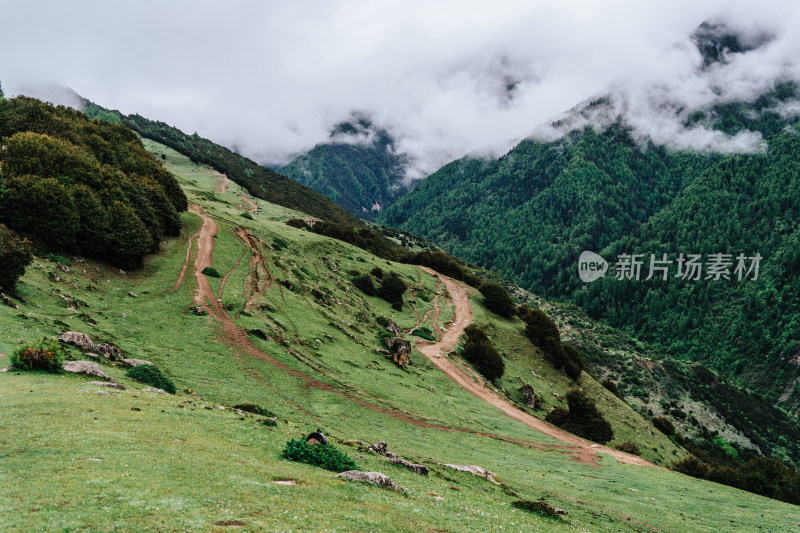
(479,351)
(497,299)
(15,256)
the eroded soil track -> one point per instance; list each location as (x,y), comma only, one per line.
(437,351)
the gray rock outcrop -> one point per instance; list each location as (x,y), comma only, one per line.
(86,367)
(376,478)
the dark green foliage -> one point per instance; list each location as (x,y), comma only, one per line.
(398,305)
(664,425)
(259,181)
(497,299)
(355,176)
(46,355)
(297,223)
(382,320)
(479,351)
(582,419)
(57,259)
(392,288)
(377,272)
(628,447)
(424,333)
(573,362)
(692,466)
(322,455)
(255,409)
(150,375)
(364,283)
(78,185)
(248,216)
(612,387)
(537,507)
(15,256)
(529,214)
(211,272)
(364,238)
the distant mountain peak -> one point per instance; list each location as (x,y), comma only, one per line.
(717,41)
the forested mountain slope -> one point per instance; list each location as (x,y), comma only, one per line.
(358,168)
(531,213)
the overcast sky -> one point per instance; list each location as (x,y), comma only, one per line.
(445,77)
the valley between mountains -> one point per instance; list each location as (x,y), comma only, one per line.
(282,327)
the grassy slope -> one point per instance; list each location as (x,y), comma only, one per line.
(177,465)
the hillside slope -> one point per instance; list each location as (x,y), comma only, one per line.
(530,214)
(283,328)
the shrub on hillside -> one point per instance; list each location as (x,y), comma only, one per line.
(364,283)
(211,272)
(628,447)
(497,299)
(479,351)
(15,256)
(150,375)
(255,409)
(664,425)
(537,507)
(377,272)
(582,419)
(692,466)
(322,455)
(392,288)
(612,387)
(573,362)
(47,355)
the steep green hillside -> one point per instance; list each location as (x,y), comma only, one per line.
(364,176)
(530,214)
(259,181)
(282,327)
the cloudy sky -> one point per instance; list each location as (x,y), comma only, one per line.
(445,77)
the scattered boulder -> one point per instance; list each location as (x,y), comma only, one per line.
(86,367)
(376,478)
(119,386)
(132,295)
(6,369)
(81,340)
(109,351)
(155,389)
(55,277)
(394,329)
(135,362)
(530,396)
(69,301)
(478,471)
(416,468)
(378,447)
(105,393)
(64,268)
(401,350)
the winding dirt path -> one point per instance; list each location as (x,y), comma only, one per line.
(436,353)
(222,182)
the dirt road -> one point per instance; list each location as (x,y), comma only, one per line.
(463,317)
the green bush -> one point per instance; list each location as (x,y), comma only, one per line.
(255,409)
(322,455)
(582,419)
(612,387)
(47,355)
(377,272)
(392,288)
(497,299)
(15,256)
(364,284)
(248,216)
(692,466)
(664,425)
(382,320)
(628,447)
(211,272)
(537,507)
(479,351)
(424,333)
(57,259)
(150,375)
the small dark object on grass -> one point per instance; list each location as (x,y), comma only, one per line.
(538,507)
(317,437)
(151,375)
(255,409)
(322,455)
(212,272)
